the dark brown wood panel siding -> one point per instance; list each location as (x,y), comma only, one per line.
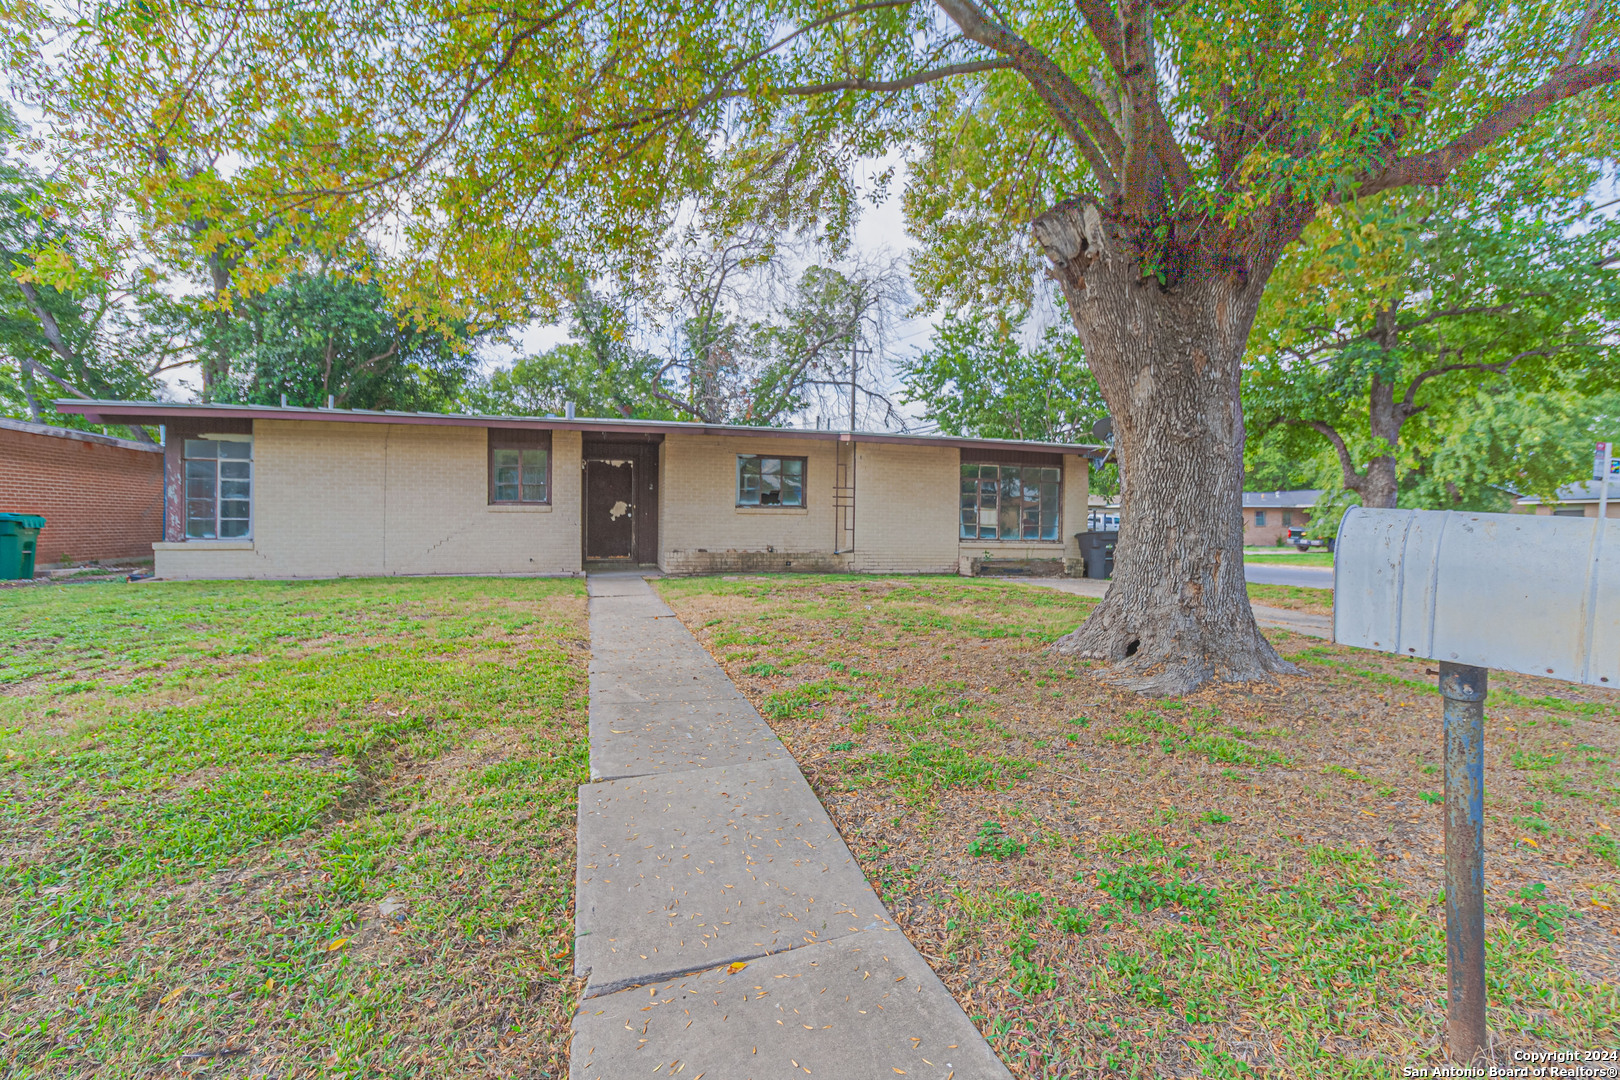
(1011,457)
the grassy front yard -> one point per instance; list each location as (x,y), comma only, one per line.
(1293,597)
(1288,556)
(1241,883)
(279,829)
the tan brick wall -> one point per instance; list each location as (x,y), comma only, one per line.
(906,517)
(99,501)
(1267,535)
(1587,509)
(341,499)
(701,529)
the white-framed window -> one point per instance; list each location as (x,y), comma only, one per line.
(770,481)
(219,487)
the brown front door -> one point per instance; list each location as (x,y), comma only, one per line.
(610,523)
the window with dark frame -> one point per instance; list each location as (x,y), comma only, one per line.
(770,481)
(1259,518)
(219,488)
(1011,502)
(519,467)
(1288,519)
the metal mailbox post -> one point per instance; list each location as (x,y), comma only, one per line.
(1534,595)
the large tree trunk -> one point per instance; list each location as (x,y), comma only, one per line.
(1168,360)
(1380,484)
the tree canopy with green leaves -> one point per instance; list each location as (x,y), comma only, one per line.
(976,378)
(1158,158)
(1398,324)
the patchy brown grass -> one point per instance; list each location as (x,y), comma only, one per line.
(1243,882)
(1293,597)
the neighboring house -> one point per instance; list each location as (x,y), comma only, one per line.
(293,492)
(1268,515)
(1576,500)
(101,497)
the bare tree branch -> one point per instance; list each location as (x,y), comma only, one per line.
(1577,40)
(1433,168)
(1500,368)
(882,86)
(1352,479)
(1083,118)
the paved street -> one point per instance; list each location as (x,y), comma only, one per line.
(1311,577)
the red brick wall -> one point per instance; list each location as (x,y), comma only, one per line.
(99,501)
(1266,535)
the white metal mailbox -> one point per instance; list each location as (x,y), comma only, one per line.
(1517,592)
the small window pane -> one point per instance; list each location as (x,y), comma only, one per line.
(792,491)
(1049,494)
(1049,524)
(201,448)
(233,529)
(240,451)
(1011,484)
(236,470)
(506,459)
(1007,521)
(233,489)
(1049,476)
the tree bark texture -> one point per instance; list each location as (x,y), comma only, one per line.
(1168,360)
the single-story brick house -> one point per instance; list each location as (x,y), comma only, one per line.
(266,491)
(1268,515)
(1575,500)
(101,497)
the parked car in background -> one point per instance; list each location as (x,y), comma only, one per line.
(1297,537)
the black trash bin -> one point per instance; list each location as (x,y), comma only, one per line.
(1097,549)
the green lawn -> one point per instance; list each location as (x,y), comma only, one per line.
(258,828)
(1288,556)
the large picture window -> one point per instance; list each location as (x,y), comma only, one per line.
(519,467)
(219,488)
(1010,502)
(770,481)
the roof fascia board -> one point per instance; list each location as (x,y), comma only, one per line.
(124,412)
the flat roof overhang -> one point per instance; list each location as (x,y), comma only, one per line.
(158,412)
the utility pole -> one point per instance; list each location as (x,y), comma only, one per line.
(855,353)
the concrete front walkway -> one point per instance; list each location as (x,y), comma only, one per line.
(723,928)
(1300,622)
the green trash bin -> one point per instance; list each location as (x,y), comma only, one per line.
(19,534)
